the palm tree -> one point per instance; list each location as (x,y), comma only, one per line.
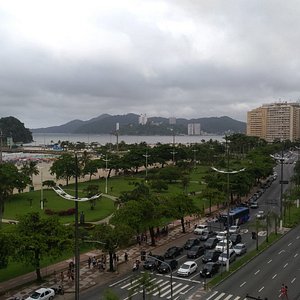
(144,283)
(30,168)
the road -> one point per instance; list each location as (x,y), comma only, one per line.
(264,275)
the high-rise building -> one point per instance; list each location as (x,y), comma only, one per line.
(194,129)
(275,121)
(143,119)
(172,120)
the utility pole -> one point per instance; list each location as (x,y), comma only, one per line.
(106,170)
(146,156)
(1,135)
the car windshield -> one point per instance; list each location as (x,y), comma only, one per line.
(238,247)
(223,255)
(222,244)
(35,295)
(184,266)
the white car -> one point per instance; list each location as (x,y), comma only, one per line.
(223,257)
(187,268)
(200,228)
(221,235)
(222,245)
(42,294)
(234,229)
(240,249)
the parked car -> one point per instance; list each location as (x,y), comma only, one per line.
(166,265)
(173,252)
(211,255)
(235,238)
(195,252)
(234,229)
(211,243)
(187,268)
(221,235)
(42,294)
(200,228)
(239,249)
(223,257)
(209,269)
(191,243)
(151,263)
(206,235)
(260,215)
(254,204)
(222,245)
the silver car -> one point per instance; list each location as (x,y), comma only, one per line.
(240,249)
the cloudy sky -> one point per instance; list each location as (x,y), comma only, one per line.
(76,59)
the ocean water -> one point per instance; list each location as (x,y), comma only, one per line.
(41,139)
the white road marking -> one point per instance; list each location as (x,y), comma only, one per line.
(269,261)
(220,296)
(177,292)
(274,276)
(174,288)
(183,293)
(296,255)
(243,284)
(237,298)
(261,289)
(285,265)
(228,297)
(212,295)
(164,288)
(280,251)
(290,244)
(256,272)
(115,283)
(293,280)
(298,237)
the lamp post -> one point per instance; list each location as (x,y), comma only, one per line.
(106,178)
(146,156)
(76,199)
(42,190)
(228,195)
(171,277)
(194,150)
(1,135)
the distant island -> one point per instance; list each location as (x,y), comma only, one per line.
(131,124)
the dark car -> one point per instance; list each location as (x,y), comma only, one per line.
(211,255)
(211,243)
(209,269)
(206,235)
(151,263)
(235,238)
(165,266)
(191,243)
(195,251)
(173,252)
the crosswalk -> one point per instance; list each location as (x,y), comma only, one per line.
(223,296)
(161,288)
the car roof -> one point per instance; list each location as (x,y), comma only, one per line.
(239,244)
(41,290)
(189,262)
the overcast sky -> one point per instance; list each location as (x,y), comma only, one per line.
(76,59)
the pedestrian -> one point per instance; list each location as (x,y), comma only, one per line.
(89,262)
(72,274)
(283,291)
(286,292)
(115,256)
(126,257)
(94,262)
(69,274)
(62,277)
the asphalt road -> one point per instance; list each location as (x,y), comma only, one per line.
(264,275)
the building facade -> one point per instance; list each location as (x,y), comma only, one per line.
(276,121)
(143,119)
(194,129)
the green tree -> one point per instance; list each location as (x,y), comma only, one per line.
(180,206)
(91,190)
(40,237)
(145,283)
(65,167)
(7,242)
(10,178)
(109,239)
(110,295)
(30,168)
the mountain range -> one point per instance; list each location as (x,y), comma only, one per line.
(129,125)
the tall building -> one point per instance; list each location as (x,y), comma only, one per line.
(143,119)
(172,120)
(275,121)
(194,129)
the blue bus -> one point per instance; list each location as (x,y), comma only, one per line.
(237,216)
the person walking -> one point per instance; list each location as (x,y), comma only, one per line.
(62,277)
(126,257)
(89,262)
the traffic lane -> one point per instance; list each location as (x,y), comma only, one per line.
(244,282)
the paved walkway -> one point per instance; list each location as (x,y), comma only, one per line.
(22,286)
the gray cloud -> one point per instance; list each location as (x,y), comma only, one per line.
(167,58)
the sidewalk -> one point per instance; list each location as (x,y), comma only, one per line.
(23,286)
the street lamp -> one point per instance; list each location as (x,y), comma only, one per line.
(106,178)
(228,192)
(76,199)
(146,156)
(171,277)
(42,190)
(194,150)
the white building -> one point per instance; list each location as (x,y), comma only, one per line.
(194,129)
(172,120)
(143,119)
